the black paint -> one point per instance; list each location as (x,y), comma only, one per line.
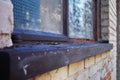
(27,35)
(23,62)
(65,17)
(118,39)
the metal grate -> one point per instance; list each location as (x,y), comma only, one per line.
(38,15)
(26,13)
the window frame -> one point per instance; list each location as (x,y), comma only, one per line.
(38,54)
(96,29)
(20,36)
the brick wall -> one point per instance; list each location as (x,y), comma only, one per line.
(104,19)
(113,35)
(98,67)
(109,32)
(6,23)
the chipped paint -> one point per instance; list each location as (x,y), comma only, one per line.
(68,50)
(19,58)
(24,68)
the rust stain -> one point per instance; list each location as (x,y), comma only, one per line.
(108,76)
(78,40)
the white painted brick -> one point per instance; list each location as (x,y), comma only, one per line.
(6,16)
(112,38)
(5,41)
(75,67)
(93,70)
(104,16)
(6,23)
(70,78)
(105,2)
(89,62)
(105,36)
(104,9)
(83,75)
(100,65)
(105,22)
(98,58)
(105,30)
(105,54)
(97,76)
(59,74)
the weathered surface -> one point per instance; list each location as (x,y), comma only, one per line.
(102,66)
(6,23)
(104,19)
(31,60)
(118,40)
(109,32)
(96,67)
(5,40)
(113,37)
(100,70)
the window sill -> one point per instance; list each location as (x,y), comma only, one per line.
(27,61)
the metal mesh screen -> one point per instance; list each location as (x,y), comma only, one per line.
(26,13)
(38,15)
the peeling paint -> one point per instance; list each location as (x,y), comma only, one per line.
(55,53)
(19,58)
(68,50)
(24,69)
(67,62)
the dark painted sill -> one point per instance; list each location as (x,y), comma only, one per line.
(23,62)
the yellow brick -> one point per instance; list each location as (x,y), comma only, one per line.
(45,76)
(59,74)
(89,62)
(105,54)
(75,67)
(98,58)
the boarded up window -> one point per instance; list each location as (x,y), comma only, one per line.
(38,15)
(81,18)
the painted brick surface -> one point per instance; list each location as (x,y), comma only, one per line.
(89,62)
(104,19)
(6,23)
(5,40)
(98,58)
(99,70)
(74,68)
(112,39)
(59,74)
